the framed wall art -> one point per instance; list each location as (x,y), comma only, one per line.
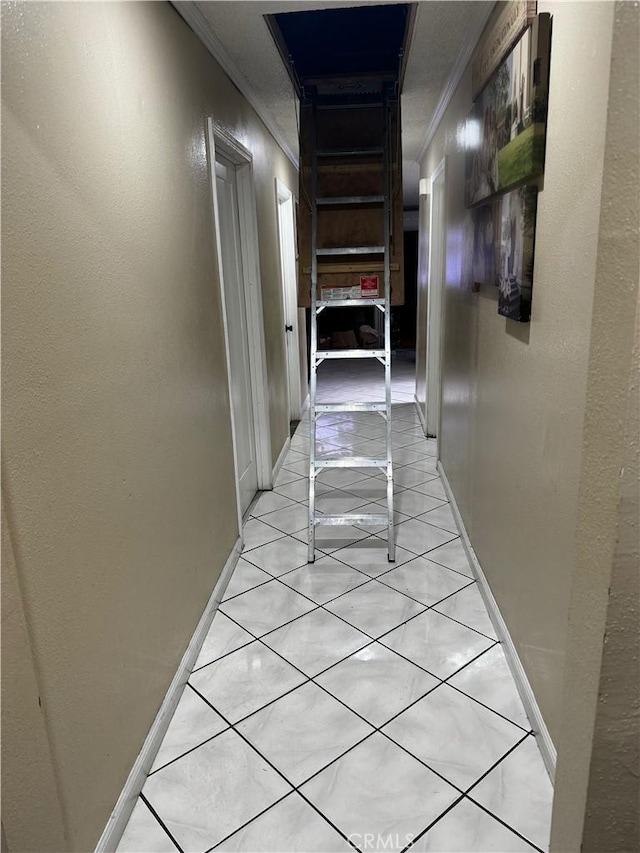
(506,128)
(517,224)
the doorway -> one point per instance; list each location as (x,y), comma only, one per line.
(236,244)
(435,300)
(294,330)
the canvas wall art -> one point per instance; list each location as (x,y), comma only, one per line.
(515,252)
(505,131)
(486,225)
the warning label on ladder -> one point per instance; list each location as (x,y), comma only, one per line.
(369,286)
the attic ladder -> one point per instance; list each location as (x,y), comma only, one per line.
(383,355)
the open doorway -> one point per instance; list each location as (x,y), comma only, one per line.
(237,253)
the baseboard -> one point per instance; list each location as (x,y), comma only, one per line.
(280,460)
(545,744)
(305,405)
(126,801)
(423,424)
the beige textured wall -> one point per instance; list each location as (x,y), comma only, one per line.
(513,396)
(597,780)
(117,471)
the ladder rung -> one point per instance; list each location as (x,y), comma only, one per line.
(342,303)
(358,105)
(351,353)
(364,519)
(322,408)
(352,250)
(348,152)
(352,462)
(351,199)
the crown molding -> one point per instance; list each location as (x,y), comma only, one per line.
(464,57)
(189,11)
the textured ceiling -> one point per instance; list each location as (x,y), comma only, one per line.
(442,32)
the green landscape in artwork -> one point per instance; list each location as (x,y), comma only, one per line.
(522,158)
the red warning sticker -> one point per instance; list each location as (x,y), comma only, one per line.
(369,286)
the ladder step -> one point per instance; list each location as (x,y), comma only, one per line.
(352,462)
(352,250)
(348,152)
(323,408)
(342,303)
(364,519)
(351,199)
(351,353)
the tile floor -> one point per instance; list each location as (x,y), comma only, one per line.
(352,703)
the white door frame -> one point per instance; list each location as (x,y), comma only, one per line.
(221,141)
(288,276)
(435,299)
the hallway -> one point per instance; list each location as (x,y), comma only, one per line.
(352,699)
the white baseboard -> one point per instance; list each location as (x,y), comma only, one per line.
(423,424)
(545,744)
(280,460)
(126,801)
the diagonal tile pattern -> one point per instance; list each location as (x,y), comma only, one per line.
(351,703)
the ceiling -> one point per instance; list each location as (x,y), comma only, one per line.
(443,37)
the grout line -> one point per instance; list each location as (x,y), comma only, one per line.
(160,821)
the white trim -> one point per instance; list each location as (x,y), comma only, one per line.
(543,738)
(423,423)
(280,459)
(126,801)
(464,57)
(435,300)
(288,278)
(219,139)
(202,28)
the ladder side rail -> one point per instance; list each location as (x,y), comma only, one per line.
(388,154)
(314,338)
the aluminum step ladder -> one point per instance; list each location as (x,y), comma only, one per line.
(383,355)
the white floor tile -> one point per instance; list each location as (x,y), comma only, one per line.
(193,723)
(291,826)
(279,557)
(374,608)
(143,833)
(452,556)
(425,581)
(304,731)
(207,794)
(323,580)
(419,537)
(224,636)
(468,607)
(377,683)
(378,789)
(488,679)
(413,503)
(469,828)
(519,792)
(267,607)
(256,533)
(269,502)
(316,641)
(436,643)
(441,516)
(289,520)
(371,556)
(245,576)
(242,682)
(455,736)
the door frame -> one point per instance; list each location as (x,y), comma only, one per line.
(288,276)
(435,300)
(220,141)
